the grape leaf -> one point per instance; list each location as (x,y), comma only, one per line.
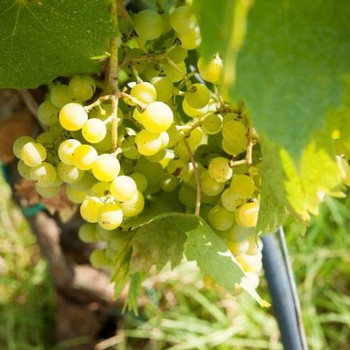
(291,67)
(40,40)
(160,241)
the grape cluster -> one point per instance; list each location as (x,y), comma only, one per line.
(173,132)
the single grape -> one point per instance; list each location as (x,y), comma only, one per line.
(220,169)
(110,216)
(33,153)
(19,143)
(234,131)
(164,88)
(197,96)
(157,117)
(89,209)
(81,87)
(74,195)
(247,214)
(211,71)
(140,180)
(250,263)
(190,40)
(73,116)
(148,143)
(182,19)
(193,112)
(230,200)
(48,113)
(220,218)
(234,148)
(66,150)
(84,157)
(106,167)
(24,170)
(123,188)
(168,183)
(60,96)
(48,191)
(43,174)
(237,248)
(242,185)
(188,196)
(176,53)
(129,148)
(210,186)
(212,124)
(87,233)
(148,24)
(99,259)
(94,130)
(69,173)
(144,92)
(86,181)
(134,206)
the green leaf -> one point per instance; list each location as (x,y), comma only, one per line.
(131,302)
(160,241)
(41,40)
(215,260)
(291,67)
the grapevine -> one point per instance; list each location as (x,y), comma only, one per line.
(157,125)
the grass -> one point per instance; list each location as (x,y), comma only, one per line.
(179,312)
(26,294)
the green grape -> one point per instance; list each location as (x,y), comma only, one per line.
(73,116)
(220,218)
(43,174)
(140,180)
(231,200)
(99,259)
(197,96)
(110,216)
(247,214)
(212,124)
(48,191)
(169,155)
(211,71)
(164,137)
(84,157)
(48,113)
(164,88)
(182,19)
(87,233)
(196,138)
(190,40)
(81,87)
(154,69)
(188,196)
(237,233)
(129,148)
(24,170)
(86,182)
(143,92)
(231,116)
(152,171)
(148,143)
(105,145)
(176,53)
(193,112)
(168,183)
(234,131)
(66,150)
(210,186)
(157,117)
(134,206)
(103,234)
(156,158)
(123,188)
(220,169)
(250,263)
(19,143)
(101,190)
(60,96)
(243,185)
(175,72)
(166,22)
(69,173)
(234,148)
(255,245)
(178,168)
(106,167)
(89,209)
(33,153)
(174,135)
(74,195)
(237,248)
(148,24)
(94,130)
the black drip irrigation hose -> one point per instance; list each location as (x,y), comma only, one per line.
(285,300)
